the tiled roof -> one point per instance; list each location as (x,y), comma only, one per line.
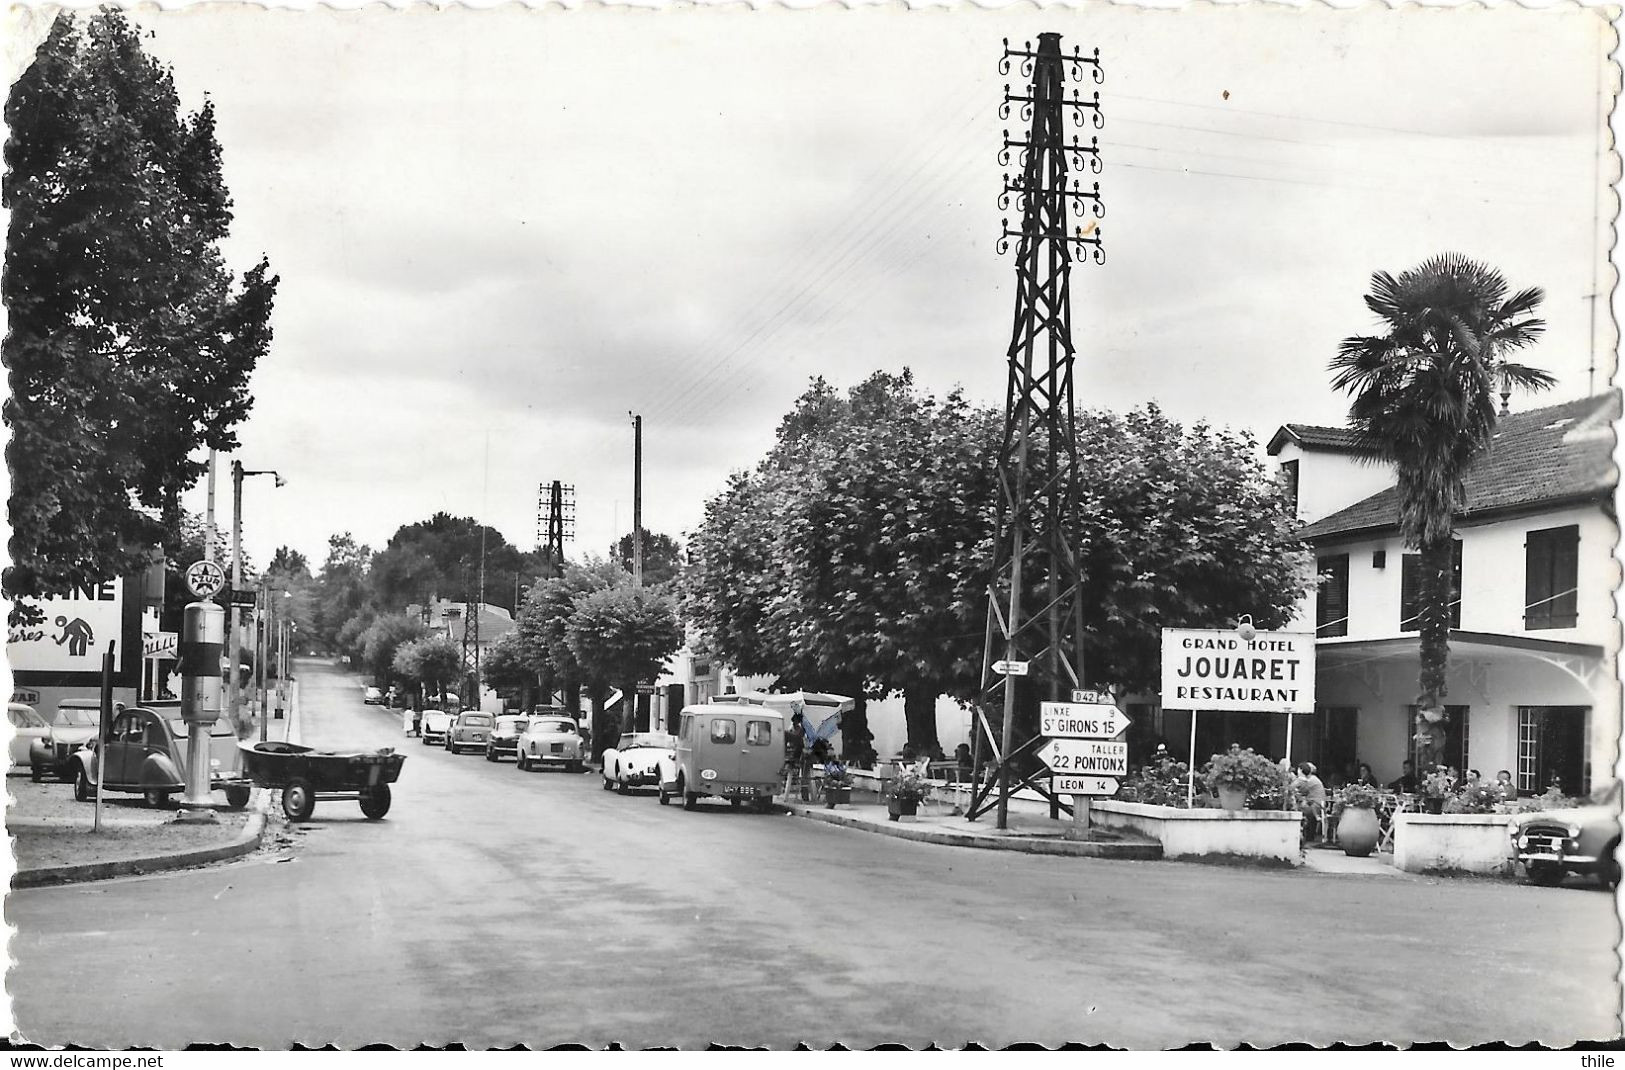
(1313,436)
(1559,453)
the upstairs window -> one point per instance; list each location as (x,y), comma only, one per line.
(1551,577)
(1332,607)
(1289,484)
(1410,590)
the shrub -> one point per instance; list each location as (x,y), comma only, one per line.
(1159,783)
(1358,797)
(1243,770)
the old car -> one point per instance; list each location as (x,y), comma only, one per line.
(505,736)
(372,696)
(471,729)
(435,724)
(732,751)
(146,754)
(551,740)
(28,728)
(1582,839)
(634,762)
(73,724)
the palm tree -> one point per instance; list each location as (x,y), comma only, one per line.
(1423,401)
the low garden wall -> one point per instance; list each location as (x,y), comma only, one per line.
(1264,835)
(1453,843)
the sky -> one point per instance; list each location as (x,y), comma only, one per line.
(501,232)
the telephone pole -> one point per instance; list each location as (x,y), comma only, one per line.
(637,501)
(1035,607)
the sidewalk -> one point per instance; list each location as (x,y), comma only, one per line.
(56,841)
(1033,833)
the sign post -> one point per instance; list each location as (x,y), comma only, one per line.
(1084,758)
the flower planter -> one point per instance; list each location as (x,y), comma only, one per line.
(900,809)
(834,797)
(1232,798)
(1433,806)
(1358,831)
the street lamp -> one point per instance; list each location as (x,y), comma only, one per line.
(238,474)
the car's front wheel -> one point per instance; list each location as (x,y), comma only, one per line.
(608,784)
(665,796)
(81,786)
(521,763)
(1608,872)
(490,754)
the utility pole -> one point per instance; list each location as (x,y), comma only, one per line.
(208,518)
(637,501)
(233,636)
(1038,458)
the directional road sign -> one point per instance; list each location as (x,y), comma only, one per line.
(245,597)
(1091,694)
(1083,785)
(205,578)
(1080,720)
(1085,757)
(1010,668)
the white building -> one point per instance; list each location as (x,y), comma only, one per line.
(1533,685)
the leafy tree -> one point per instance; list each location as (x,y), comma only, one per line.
(131,343)
(662,557)
(350,640)
(431,662)
(1178,528)
(441,557)
(289,571)
(386,635)
(854,557)
(623,635)
(341,593)
(506,668)
(1423,401)
(551,606)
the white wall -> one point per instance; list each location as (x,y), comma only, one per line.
(1329,481)
(1492,577)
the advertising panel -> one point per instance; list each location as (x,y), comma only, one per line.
(66,647)
(1212,669)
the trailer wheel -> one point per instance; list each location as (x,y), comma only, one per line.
(237,796)
(375,802)
(298,799)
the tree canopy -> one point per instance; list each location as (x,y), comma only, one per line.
(854,557)
(662,557)
(623,636)
(130,342)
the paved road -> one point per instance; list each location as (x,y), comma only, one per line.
(495,907)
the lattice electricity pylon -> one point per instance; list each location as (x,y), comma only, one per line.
(1035,607)
(471,651)
(555,522)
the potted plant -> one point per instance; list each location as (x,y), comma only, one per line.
(1358,829)
(1436,787)
(906,792)
(1239,774)
(837,785)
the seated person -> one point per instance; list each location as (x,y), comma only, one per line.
(1407,784)
(1366,776)
(1503,778)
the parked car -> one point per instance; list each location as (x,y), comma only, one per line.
(147,754)
(471,728)
(552,741)
(634,762)
(505,737)
(72,726)
(1582,839)
(28,729)
(373,696)
(435,723)
(732,751)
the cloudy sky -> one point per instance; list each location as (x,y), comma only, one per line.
(499,232)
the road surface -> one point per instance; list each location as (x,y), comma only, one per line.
(494,907)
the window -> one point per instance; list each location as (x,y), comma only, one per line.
(1410,590)
(1551,574)
(1332,607)
(758,733)
(1552,749)
(723,730)
(1289,484)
